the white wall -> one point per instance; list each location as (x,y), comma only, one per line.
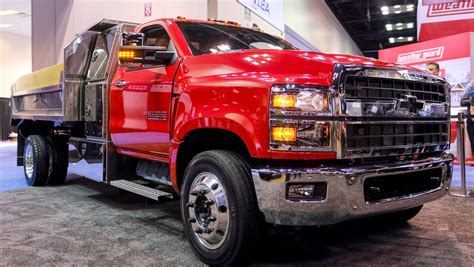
(311,19)
(233,11)
(15,59)
(71,17)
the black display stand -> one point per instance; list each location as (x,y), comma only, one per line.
(5,118)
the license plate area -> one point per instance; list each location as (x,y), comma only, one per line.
(394,186)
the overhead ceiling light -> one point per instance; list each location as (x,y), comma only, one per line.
(385,12)
(398,24)
(410,39)
(391,40)
(388,27)
(410,6)
(8,12)
(410,25)
(396,6)
(397,12)
(3,26)
(384,8)
(400,38)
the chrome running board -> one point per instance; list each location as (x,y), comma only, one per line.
(141,190)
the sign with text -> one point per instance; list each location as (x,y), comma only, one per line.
(147,10)
(270,10)
(445,19)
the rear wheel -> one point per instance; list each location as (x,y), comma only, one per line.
(58,159)
(219,208)
(36,160)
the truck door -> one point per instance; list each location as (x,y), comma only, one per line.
(140,103)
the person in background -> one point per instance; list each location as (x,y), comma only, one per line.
(433,68)
(466,102)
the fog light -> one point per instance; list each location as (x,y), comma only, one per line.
(307,191)
(284,134)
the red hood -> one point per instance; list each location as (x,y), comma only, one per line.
(278,66)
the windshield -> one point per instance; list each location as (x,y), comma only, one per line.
(207,38)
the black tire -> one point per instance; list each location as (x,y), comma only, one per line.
(241,237)
(35,160)
(58,159)
(400,216)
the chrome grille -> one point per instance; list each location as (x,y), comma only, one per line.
(363,87)
(391,112)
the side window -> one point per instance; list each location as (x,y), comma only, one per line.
(157,36)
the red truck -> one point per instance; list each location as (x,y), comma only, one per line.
(241,125)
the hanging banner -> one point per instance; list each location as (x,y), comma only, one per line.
(432,2)
(445,19)
(270,10)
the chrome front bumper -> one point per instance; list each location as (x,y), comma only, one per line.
(345,192)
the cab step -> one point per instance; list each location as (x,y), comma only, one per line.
(141,189)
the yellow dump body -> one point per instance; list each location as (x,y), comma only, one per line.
(44,78)
(38,95)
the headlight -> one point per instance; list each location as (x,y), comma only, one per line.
(301,100)
(293,110)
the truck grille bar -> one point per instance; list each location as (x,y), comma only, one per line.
(362,87)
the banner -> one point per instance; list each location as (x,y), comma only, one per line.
(452,53)
(445,19)
(270,10)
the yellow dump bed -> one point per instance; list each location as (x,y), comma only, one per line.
(38,95)
(45,78)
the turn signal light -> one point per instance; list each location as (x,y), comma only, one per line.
(284,101)
(126,54)
(284,134)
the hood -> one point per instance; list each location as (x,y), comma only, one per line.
(277,66)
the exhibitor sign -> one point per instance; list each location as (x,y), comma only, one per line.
(269,10)
(445,19)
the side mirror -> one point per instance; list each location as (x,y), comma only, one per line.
(152,55)
(133,54)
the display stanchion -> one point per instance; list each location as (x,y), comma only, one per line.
(461,152)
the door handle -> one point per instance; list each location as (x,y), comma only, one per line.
(120,84)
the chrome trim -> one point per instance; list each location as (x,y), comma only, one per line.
(345,191)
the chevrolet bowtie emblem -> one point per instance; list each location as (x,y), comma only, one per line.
(409,103)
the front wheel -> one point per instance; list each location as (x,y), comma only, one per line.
(219,208)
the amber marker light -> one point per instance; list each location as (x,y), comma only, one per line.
(284,134)
(126,54)
(284,101)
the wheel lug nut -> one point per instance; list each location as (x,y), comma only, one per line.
(208,230)
(192,220)
(194,193)
(198,231)
(190,205)
(212,219)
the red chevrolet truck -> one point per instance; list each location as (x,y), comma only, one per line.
(240,125)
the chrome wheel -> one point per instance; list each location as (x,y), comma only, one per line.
(208,210)
(28,161)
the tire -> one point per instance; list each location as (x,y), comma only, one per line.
(224,174)
(36,157)
(400,216)
(58,160)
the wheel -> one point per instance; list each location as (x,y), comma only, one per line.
(58,159)
(219,208)
(35,156)
(401,216)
